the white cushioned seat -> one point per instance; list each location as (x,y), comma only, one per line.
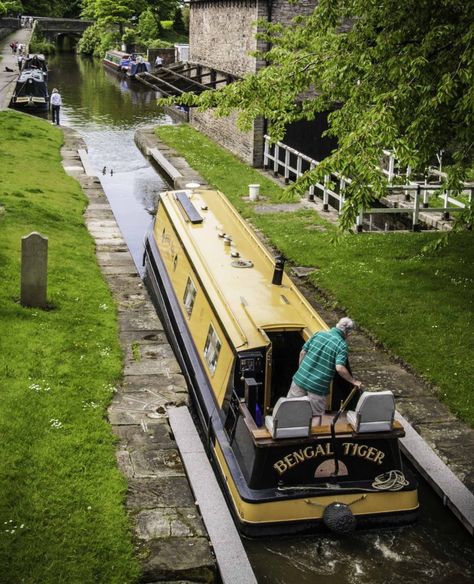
(374,412)
(291,418)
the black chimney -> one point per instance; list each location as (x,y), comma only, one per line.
(278,271)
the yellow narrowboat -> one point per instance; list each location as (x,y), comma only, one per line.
(237,323)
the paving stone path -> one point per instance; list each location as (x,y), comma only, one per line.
(170,538)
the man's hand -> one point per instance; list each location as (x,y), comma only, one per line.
(344,373)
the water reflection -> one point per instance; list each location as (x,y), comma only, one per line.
(107,110)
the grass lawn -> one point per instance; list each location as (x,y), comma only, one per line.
(420,306)
(62,518)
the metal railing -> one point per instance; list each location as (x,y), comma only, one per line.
(292,164)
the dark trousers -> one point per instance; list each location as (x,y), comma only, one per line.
(55,113)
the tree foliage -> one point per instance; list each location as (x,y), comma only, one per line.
(147,27)
(396,75)
(178,22)
(111,12)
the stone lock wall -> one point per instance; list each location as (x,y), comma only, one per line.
(222,36)
(283,11)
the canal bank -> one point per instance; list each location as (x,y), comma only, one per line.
(439,445)
(170,538)
(9,64)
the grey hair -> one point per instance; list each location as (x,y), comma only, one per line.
(346,325)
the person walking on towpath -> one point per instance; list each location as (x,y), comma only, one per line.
(55,106)
(321,356)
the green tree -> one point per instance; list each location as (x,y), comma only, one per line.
(13,7)
(110,12)
(3,10)
(147,27)
(397,75)
(43,7)
(178,22)
(163,9)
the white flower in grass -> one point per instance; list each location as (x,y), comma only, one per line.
(89,405)
(40,386)
(56,424)
(103,307)
(105,352)
(110,388)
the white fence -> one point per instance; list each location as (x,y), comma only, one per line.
(291,164)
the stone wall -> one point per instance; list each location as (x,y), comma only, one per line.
(248,146)
(8,25)
(222,36)
(283,11)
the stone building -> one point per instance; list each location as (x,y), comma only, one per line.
(222,38)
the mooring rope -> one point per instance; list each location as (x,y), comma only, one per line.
(394,480)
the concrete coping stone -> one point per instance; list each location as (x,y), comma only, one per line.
(164,164)
(222,532)
(86,163)
(456,496)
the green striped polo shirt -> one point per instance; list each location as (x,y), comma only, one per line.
(324,350)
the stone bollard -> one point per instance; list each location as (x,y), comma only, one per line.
(34,270)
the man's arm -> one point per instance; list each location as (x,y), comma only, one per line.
(344,373)
(302,356)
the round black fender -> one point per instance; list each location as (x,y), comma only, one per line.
(339,518)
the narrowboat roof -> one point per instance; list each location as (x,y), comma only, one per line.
(33,74)
(244,297)
(117,53)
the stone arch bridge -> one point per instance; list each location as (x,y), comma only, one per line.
(54,29)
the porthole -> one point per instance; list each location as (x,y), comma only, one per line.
(189,297)
(212,349)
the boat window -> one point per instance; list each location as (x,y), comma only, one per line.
(212,348)
(189,296)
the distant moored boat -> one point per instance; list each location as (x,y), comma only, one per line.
(129,64)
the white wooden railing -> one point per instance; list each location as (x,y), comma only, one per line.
(292,164)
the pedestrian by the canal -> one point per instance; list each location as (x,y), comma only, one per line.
(20,62)
(20,48)
(321,356)
(158,62)
(56,104)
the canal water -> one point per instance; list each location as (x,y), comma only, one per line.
(107,111)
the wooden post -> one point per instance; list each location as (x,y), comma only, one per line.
(34,270)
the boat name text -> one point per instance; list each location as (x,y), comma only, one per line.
(348,449)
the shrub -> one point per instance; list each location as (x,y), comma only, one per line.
(89,40)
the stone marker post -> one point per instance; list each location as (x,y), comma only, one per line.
(34,270)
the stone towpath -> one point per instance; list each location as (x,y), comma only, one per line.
(9,65)
(439,445)
(170,537)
